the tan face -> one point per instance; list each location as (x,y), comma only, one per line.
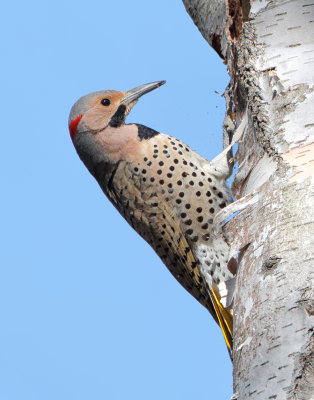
(96,111)
(101,109)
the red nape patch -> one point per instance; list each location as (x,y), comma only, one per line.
(73,126)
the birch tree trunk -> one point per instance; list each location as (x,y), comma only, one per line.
(268,46)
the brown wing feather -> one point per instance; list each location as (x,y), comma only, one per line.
(173,248)
(156,221)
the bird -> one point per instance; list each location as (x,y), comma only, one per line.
(167,192)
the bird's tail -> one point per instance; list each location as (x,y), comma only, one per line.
(225,319)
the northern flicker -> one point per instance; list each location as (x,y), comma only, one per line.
(168,193)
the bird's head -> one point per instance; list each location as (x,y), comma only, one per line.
(98,130)
(108,108)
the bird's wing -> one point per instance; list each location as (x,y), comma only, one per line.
(173,248)
(156,221)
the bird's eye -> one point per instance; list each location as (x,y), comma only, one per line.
(105,102)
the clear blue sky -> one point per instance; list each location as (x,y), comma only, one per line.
(87,309)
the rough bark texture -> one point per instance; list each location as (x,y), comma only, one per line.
(268,47)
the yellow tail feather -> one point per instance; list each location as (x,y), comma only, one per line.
(225,319)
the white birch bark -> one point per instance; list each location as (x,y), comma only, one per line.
(268,46)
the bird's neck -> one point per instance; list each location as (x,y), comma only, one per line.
(119,142)
(107,147)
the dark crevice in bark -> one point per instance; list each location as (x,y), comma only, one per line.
(233,265)
(270,264)
(304,382)
(238,11)
(215,41)
(246,6)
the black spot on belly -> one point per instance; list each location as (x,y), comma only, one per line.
(145,133)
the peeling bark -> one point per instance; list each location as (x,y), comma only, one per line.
(268,46)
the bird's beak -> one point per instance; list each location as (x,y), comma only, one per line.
(139,91)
